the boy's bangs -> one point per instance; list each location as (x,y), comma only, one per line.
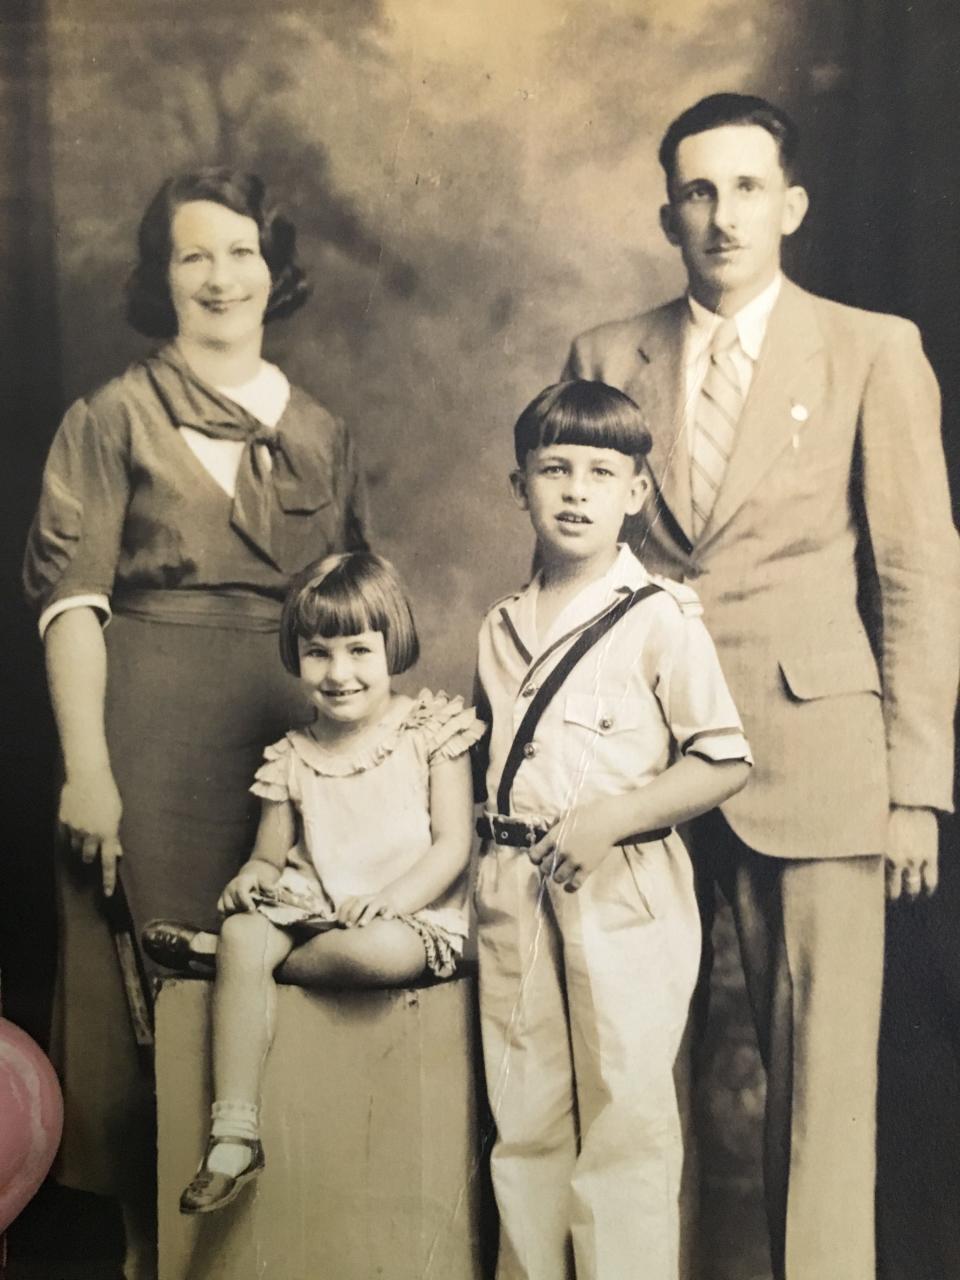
(580,412)
(612,433)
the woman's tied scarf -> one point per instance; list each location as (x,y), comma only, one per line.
(295,482)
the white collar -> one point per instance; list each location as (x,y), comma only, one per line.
(626,574)
(751,321)
(265,395)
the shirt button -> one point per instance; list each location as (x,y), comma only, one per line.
(529,691)
(606,723)
(529,750)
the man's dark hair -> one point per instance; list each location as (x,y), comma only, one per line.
(149,305)
(731,108)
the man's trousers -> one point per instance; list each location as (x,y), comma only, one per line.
(811,942)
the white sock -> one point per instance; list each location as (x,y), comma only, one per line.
(232,1120)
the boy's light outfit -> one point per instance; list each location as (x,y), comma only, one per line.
(584,996)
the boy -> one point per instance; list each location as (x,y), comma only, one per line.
(610,722)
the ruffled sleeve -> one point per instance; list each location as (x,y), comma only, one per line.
(276,779)
(74,541)
(446,727)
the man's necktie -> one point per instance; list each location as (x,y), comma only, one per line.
(715,424)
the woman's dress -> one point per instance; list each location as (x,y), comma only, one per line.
(195,687)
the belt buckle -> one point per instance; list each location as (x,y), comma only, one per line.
(506,832)
(501,830)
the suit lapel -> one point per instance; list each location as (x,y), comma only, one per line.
(656,383)
(786,383)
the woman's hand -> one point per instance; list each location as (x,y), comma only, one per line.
(89,817)
(364,908)
(253,877)
(90,805)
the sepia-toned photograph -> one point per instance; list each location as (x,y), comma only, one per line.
(482,632)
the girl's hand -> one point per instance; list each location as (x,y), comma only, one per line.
(363,908)
(89,818)
(574,846)
(253,877)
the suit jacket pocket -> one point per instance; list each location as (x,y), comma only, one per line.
(831,673)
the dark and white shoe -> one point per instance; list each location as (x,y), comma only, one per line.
(209,1190)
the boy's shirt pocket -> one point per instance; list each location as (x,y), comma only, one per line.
(612,743)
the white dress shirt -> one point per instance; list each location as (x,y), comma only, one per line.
(751,322)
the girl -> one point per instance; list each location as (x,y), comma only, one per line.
(357,875)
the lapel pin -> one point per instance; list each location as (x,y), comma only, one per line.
(799,412)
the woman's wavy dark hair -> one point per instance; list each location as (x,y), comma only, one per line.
(149,305)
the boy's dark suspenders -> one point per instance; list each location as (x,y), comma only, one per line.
(541,700)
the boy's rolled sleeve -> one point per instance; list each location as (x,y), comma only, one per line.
(694,696)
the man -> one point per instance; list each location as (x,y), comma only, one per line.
(801,486)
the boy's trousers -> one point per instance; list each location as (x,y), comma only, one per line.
(583,1001)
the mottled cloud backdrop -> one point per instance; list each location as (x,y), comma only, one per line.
(473,181)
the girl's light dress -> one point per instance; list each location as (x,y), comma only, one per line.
(364,819)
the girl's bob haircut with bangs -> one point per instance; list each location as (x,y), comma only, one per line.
(585,413)
(345,595)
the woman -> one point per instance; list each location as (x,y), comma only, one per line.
(177,502)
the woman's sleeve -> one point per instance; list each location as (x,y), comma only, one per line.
(693,693)
(74,541)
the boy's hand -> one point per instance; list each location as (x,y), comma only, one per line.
(365,907)
(574,846)
(254,877)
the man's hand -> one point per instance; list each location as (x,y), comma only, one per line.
(89,818)
(574,846)
(363,908)
(912,848)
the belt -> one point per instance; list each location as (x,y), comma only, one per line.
(517,834)
(200,607)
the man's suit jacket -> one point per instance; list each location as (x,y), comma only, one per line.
(832,529)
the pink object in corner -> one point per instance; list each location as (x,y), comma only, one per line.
(31,1119)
